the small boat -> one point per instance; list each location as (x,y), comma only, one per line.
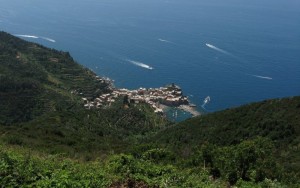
(206,100)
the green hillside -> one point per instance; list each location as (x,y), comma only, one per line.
(276,120)
(41,105)
(36,80)
(48,139)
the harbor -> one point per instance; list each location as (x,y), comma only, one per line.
(190,109)
(158,98)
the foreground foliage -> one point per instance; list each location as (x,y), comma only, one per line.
(276,119)
(47,138)
(22,167)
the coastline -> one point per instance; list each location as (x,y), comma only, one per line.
(160,99)
(190,109)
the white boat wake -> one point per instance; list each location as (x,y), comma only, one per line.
(28,36)
(205,101)
(243,66)
(48,39)
(166,41)
(218,49)
(36,37)
(140,64)
(262,77)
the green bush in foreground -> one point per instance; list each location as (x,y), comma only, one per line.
(19,168)
(26,171)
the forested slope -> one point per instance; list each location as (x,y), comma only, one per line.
(277,120)
(47,138)
(41,105)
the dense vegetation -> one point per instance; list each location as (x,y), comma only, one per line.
(41,106)
(151,168)
(47,138)
(36,80)
(277,120)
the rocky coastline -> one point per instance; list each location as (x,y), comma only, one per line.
(158,98)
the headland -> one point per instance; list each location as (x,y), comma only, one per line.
(158,98)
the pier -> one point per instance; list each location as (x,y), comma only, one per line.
(191,109)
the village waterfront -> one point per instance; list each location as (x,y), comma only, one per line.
(167,101)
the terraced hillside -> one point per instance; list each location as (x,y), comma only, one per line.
(41,104)
(36,80)
(47,138)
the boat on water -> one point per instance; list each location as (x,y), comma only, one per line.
(206,100)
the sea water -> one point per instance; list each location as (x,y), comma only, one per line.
(233,51)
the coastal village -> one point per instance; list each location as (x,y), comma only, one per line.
(158,98)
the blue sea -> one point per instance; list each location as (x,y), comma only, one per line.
(234,51)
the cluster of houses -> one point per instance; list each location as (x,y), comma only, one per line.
(170,95)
